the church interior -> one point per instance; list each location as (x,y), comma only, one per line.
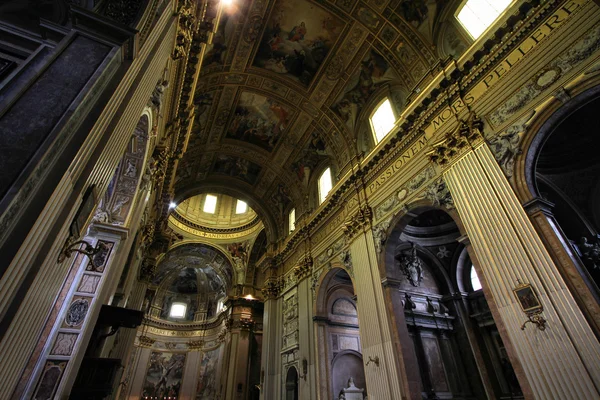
(299,199)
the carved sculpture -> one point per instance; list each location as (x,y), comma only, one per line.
(411,266)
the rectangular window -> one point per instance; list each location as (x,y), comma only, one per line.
(292,220)
(177,310)
(325,185)
(383,120)
(210,204)
(477,15)
(241,207)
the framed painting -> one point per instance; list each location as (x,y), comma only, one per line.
(528,299)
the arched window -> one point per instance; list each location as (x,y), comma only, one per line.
(475,283)
(292,220)
(382,120)
(241,207)
(177,310)
(477,15)
(325,185)
(210,204)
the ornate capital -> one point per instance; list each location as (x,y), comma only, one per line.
(359,221)
(304,268)
(271,289)
(195,345)
(457,142)
(146,341)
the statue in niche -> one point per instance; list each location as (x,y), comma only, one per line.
(412,266)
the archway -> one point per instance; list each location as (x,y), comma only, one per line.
(563,169)
(340,347)
(450,344)
(291,384)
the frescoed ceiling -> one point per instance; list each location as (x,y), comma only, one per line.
(286,84)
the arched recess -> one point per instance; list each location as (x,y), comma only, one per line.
(336,320)
(557,178)
(437,323)
(291,384)
(122,192)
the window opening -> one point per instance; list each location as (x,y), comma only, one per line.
(382,120)
(210,204)
(477,15)
(241,207)
(325,185)
(177,310)
(475,283)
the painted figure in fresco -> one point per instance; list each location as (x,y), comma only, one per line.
(297,33)
(288,47)
(413,10)
(165,370)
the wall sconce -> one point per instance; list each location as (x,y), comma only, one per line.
(530,304)
(373,360)
(76,229)
(304,368)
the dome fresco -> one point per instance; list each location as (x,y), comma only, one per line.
(191,258)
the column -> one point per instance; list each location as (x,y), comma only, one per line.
(382,370)
(563,361)
(244,318)
(271,357)
(307,387)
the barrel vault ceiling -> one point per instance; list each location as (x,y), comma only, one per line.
(284,86)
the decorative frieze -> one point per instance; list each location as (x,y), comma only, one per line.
(380,234)
(439,194)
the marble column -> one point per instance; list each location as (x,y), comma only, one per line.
(383,374)
(271,357)
(307,387)
(563,361)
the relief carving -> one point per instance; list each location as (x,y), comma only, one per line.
(411,266)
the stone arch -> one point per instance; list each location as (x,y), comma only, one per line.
(348,364)
(428,326)
(291,383)
(541,127)
(338,331)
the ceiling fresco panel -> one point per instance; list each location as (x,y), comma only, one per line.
(236,167)
(259,120)
(297,39)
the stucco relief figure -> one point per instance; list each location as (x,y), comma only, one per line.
(130,169)
(158,94)
(412,266)
(591,252)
